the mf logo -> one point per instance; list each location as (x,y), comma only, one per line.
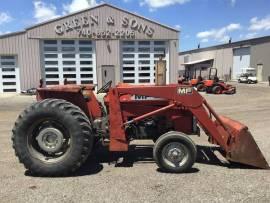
(139,97)
(184,90)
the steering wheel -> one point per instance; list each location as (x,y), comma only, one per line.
(105,88)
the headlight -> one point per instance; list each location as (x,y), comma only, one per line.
(86,94)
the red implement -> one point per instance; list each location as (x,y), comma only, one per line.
(242,146)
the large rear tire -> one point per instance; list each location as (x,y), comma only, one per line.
(174,152)
(52,138)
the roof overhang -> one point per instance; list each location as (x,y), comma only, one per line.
(197,61)
(248,68)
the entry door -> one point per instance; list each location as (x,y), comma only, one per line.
(9,74)
(260,72)
(108,74)
(241,60)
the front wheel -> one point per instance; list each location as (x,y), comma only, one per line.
(174,152)
(52,138)
(217,90)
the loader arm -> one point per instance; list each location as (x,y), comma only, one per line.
(191,100)
(230,135)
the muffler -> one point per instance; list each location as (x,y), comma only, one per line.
(242,147)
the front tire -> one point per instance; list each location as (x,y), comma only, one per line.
(174,152)
(52,138)
(217,90)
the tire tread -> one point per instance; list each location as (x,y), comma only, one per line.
(68,108)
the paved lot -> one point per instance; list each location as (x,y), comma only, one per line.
(139,180)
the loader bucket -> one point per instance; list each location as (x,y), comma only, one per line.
(242,147)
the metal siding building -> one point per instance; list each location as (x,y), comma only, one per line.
(231,59)
(91,46)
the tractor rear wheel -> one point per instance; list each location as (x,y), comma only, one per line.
(201,88)
(217,90)
(174,152)
(52,137)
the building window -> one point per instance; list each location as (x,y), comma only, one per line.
(71,59)
(139,58)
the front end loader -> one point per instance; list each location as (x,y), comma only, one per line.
(55,135)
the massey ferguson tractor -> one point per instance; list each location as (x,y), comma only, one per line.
(55,135)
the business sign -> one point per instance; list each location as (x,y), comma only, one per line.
(88,26)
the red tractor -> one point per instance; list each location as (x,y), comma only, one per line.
(214,85)
(55,135)
(192,80)
(195,81)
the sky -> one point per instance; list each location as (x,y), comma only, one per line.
(204,22)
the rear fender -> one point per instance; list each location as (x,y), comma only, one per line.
(83,98)
(194,81)
(208,83)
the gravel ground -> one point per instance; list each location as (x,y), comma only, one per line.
(138,180)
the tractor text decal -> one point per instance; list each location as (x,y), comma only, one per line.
(140,97)
(184,90)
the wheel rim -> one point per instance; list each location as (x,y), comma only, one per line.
(175,154)
(48,140)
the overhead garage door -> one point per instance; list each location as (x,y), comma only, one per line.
(73,60)
(241,60)
(138,60)
(9,74)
